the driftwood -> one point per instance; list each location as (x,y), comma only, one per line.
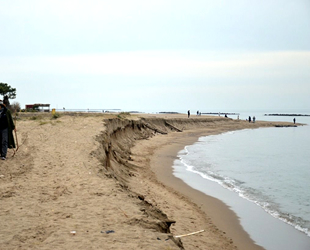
(173,127)
(183,235)
(155,129)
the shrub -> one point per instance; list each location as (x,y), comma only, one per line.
(15,107)
(55,116)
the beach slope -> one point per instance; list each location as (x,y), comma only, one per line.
(89,181)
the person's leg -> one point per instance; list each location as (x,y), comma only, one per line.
(1,142)
(4,142)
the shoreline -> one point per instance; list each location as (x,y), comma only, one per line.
(219,213)
(278,235)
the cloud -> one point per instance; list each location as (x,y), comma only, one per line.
(195,64)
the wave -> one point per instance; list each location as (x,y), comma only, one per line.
(249,194)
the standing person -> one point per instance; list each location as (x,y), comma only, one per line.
(249,118)
(6,128)
(6,101)
(294,120)
(188,113)
(253,119)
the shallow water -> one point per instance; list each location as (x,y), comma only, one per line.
(268,167)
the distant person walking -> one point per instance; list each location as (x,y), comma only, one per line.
(188,113)
(254,119)
(249,118)
(294,120)
(6,128)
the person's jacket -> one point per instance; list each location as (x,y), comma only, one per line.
(11,127)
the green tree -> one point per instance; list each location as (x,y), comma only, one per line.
(6,89)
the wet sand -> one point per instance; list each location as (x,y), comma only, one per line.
(221,215)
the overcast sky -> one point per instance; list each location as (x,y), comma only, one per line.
(158,55)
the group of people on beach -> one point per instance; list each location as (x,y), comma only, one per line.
(252,119)
(7,127)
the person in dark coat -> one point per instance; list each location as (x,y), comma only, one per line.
(6,130)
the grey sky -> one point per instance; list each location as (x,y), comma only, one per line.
(157,55)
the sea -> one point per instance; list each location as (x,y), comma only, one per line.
(262,174)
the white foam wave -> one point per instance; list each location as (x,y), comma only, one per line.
(232,185)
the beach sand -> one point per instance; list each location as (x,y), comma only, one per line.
(99,181)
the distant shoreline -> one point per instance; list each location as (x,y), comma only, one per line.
(286,115)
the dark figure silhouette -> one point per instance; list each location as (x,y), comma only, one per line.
(188,113)
(6,101)
(294,120)
(249,118)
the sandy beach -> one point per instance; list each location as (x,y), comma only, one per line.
(104,181)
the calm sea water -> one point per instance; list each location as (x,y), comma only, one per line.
(267,166)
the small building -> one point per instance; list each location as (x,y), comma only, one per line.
(39,107)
